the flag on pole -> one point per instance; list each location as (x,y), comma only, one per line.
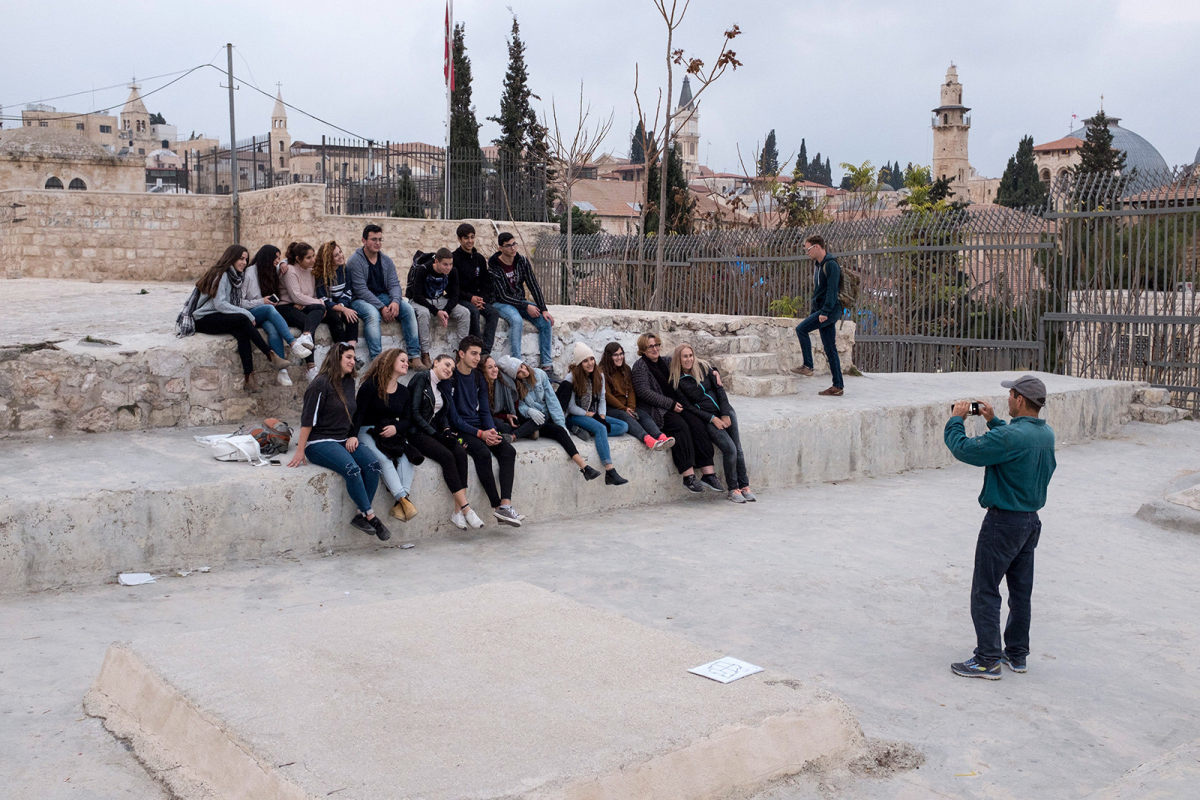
(449,66)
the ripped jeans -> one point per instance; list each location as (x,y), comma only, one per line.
(360,469)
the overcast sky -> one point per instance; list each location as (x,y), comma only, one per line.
(856,79)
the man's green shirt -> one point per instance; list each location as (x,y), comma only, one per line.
(1019,457)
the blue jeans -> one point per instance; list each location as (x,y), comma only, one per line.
(360,469)
(371,321)
(277,330)
(514,317)
(599,432)
(828,330)
(1004,550)
(398,475)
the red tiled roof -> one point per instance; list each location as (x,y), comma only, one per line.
(1066,143)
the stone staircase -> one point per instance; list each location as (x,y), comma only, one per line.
(1154,405)
(748,370)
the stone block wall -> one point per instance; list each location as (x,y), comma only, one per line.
(111,235)
(297,213)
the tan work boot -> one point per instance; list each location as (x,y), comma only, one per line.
(426,361)
(410,510)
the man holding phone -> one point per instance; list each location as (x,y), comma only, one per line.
(1018,458)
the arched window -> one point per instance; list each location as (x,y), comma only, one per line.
(945,119)
(77,184)
(53,183)
(1046,175)
(281,160)
(281,145)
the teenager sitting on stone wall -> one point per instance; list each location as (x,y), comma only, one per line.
(433,291)
(327,436)
(333,288)
(511,275)
(378,296)
(705,399)
(471,416)
(301,307)
(622,399)
(260,295)
(475,290)
(382,420)
(429,393)
(583,390)
(219,310)
(538,410)
(502,401)
(693,448)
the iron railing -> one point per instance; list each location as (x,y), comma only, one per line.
(384,178)
(985,287)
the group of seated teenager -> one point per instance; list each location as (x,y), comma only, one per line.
(304,287)
(471,406)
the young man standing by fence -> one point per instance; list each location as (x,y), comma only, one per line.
(512,274)
(475,292)
(826,311)
(377,294)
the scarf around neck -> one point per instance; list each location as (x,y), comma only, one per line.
(235,285)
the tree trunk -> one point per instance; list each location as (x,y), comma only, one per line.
(570,276)
(660,250)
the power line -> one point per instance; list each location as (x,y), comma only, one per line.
(147,94)
(302,111)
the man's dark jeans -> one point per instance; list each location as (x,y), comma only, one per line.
(828,330)
(1004,550)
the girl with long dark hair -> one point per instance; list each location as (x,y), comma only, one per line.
(327,436)
(219,310)
(260,295)
(301,307)
(586,407)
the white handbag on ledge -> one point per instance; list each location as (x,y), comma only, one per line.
(234,447)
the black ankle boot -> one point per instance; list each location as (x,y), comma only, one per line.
(612,478)
(589,473)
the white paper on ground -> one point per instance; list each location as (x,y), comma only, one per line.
(134,578)
(725,670)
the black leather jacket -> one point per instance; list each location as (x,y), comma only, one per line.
(424,420)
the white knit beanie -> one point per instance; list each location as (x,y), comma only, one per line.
(509,365)
(581,353)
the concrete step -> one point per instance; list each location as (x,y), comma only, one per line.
(762,385)
(80,509)
(712,346)
(755,363)
(1148,396)
(1159,415)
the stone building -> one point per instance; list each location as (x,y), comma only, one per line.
(687,131)
(951,129)
(1054,159)
(103,129)
(54,158)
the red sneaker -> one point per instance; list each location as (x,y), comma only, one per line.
(649,441)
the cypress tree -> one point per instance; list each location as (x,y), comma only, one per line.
(768,162)
(524,151)
(465,156)
(827,173)
(1020,186)
(801,170)
(1097,155)
(637,147)
(680,203)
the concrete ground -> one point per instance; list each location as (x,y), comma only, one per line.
(859,587)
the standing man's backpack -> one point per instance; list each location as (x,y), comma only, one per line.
(848,286)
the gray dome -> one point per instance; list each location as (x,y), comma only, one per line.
(1139,154)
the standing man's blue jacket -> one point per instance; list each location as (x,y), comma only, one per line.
(827,279)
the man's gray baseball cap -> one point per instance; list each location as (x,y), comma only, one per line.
(1029,387)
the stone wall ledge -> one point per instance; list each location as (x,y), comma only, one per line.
(81,509)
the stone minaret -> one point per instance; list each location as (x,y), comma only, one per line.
(951,125)
(281,140)
(687,131)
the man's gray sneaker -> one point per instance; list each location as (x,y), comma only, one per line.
(973,669)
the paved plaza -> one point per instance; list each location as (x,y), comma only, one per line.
(859,588)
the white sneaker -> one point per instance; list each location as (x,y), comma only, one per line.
(473,519)
(284,378)
(306,340)
(312,373)
(459,520)
(300,349)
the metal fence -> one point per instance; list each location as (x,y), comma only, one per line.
(980,288)
(384,178)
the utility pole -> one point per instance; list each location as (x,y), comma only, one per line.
(233,165)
